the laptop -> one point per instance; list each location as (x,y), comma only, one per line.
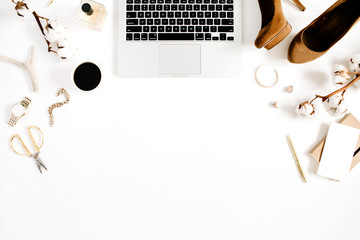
(163,38)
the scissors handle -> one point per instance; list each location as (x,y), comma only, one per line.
(22,143)
(37,148)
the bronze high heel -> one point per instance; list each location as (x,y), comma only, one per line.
(274,26)
(324,32)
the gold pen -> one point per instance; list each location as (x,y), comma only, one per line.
(296,158)
(300,5)
(50,2)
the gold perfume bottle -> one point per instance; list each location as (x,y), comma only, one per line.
(92,13)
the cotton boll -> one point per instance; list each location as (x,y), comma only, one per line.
(305,109)
(51,35)
(355,63)
(340,74)
(65,53)
(23,9)
(341,110)
(335,100)
(339,80)
(63,42)
(56,26)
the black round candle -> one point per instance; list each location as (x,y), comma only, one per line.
(87,76)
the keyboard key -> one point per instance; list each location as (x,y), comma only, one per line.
(191,29)
(137,7)
(207,36)
(228,7)
(144,36)
(168,28)
(136,36)
(198,29)
(129,1)
(131,15)
(227,21)
(225,29)
(133,29)
(183,29)
(206,29)
(176,36)
(152,36)
(213,29)
(230,38)
(132,22)
(161,29)
(199,36)
(215,38)
(142,22)
(129,36)
(176,29)
(222,36)
(153,29)
(146,29)
(129,7)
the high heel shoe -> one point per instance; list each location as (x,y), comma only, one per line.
(324,32)
(274,26)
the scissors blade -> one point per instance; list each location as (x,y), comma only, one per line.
(38,161)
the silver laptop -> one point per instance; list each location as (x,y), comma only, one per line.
(179,38)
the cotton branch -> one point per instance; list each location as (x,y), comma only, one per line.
(28,66)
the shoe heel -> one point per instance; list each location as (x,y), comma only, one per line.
(279,37)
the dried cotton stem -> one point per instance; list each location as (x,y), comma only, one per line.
(28,66)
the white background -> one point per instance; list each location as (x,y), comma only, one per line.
(170,158)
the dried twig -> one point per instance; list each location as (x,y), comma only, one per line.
(27,65)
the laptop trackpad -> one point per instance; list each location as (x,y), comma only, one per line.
(180,59)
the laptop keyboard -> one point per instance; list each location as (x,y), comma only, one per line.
(193,20)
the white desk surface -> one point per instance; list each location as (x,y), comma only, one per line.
(170,158)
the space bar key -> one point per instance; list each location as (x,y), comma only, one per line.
(176,36)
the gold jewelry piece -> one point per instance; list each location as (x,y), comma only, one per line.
(59,104)
(260,82)
(18,111)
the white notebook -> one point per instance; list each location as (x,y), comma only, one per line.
(338,151)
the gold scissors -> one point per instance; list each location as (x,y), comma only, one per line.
(37,147)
